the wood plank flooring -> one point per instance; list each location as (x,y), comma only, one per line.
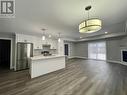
(80,77)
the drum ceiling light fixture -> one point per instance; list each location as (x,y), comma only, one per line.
(91,24)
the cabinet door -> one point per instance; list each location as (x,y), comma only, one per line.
(37,43)
(54,44)
(24,38)
(27,38)
(51,43)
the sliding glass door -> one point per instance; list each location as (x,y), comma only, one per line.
(97,50)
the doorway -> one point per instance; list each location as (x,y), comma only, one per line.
(97,50)
(5,53)
(66,49)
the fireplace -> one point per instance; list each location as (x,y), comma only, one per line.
(124,55)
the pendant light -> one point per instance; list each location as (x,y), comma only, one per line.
(91,24)
(43,36)
(59,39)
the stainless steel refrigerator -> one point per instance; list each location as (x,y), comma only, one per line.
(24,52)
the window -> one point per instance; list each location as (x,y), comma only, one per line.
(97,50)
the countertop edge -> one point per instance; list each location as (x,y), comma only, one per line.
(48,57)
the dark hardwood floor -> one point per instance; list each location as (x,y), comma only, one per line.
(80,77)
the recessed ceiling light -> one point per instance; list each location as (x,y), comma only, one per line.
(49,36)
(106,32)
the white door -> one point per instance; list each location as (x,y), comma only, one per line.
(97,50)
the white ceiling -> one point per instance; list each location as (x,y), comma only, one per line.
(62,16)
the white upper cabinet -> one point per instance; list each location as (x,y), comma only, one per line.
(61,47)
(37,41)
(53,43)
(24,38)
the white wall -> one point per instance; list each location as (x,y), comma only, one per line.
(81,49)
(114,47)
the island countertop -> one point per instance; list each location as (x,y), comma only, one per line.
(38,57)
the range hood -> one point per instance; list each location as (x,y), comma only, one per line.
(46,45)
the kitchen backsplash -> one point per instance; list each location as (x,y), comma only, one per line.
(38,51)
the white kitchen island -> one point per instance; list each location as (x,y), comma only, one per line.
(40,65)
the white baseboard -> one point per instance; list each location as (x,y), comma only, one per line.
(70,57)
(111,61)
(80,57)
(119,62)
(87,58)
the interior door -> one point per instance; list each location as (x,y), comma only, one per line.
(66,49)
(5,51)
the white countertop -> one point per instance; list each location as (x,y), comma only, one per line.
(45,57)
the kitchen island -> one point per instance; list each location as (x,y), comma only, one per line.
(40,65)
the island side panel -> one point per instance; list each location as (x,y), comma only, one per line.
(44,66)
